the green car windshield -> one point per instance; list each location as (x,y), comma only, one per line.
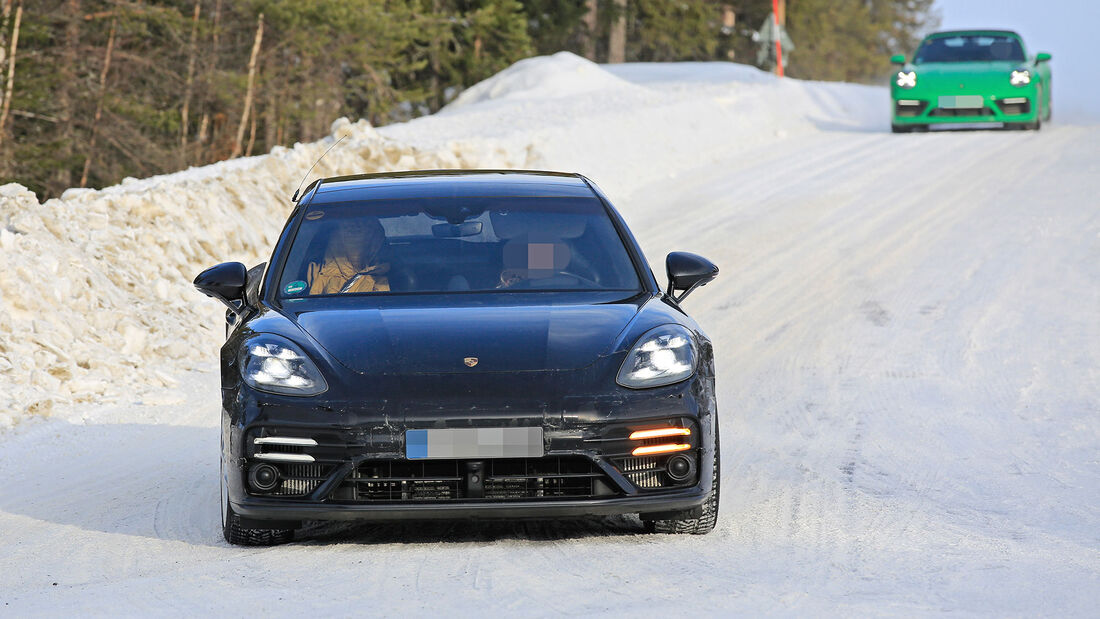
(971,48)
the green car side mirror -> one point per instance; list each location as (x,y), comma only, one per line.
(1042,57)
(897,59)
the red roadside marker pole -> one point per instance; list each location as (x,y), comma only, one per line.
(778,45)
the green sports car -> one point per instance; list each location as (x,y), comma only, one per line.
(970,76)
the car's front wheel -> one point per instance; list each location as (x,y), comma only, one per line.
(908,128)
(705,522)
(1035,125)
(240,535)
(1040,116)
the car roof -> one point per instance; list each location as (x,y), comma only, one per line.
(947,33)
(448,184)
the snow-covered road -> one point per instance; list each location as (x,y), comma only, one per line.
(908,337)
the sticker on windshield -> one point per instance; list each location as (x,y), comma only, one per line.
(295,287)
(315,215)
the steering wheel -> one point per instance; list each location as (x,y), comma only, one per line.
(529,283)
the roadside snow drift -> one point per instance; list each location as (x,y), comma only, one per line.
(95,295)
(561,76)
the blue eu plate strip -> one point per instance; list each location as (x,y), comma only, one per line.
(416,444)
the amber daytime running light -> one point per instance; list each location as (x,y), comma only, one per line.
(659,449)
(659,433)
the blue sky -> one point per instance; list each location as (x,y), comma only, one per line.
(1068,29)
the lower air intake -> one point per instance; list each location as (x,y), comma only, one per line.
(964,111)
(643,472)
(300,479)
(450,480)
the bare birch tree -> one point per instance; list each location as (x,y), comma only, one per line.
(99,102)
(11,69)
(592,28)
(616,44)
(251,85)
(184,113)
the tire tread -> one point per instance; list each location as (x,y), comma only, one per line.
(245,536)
(707,520)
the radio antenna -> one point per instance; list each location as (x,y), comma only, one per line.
(294,198)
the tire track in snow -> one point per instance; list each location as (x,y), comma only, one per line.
(835,321)
(901,232)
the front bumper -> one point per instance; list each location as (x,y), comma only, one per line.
(678,501)
(354,464)
(923,108)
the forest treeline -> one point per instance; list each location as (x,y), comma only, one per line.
(98,90)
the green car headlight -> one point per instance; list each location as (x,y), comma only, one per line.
(1021,77)
(906,79)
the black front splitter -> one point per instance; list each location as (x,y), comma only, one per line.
(254,508)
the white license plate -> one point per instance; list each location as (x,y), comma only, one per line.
(962,102)
(474,443)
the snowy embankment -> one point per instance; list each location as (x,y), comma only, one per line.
(95,296)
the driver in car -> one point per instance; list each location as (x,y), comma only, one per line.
(351,260)
(526,260)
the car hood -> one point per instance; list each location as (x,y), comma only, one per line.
(964,74)
(501,338)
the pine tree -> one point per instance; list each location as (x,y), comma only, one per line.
(384,60)
(556,25)
(663,31)
(495,37)
(852,40)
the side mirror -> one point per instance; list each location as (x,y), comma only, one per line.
(225,283)
(252,280)
(1042,57)
(897,59)
(687,272)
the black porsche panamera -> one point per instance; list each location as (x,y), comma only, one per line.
(462,344)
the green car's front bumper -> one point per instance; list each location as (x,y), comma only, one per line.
(926,106)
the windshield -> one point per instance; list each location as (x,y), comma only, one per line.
(456,245)
(971,48)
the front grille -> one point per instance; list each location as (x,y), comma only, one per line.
(540,478)
(963,111)
(399,480)
(491,479)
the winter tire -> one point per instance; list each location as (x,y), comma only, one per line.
(239,535)
(705,522)
(243,536)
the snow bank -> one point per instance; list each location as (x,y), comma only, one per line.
(626,124)
(96,301)
(542,78)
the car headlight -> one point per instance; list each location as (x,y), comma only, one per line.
(662,356)
(1020,77)
(906,79)
(276,365)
